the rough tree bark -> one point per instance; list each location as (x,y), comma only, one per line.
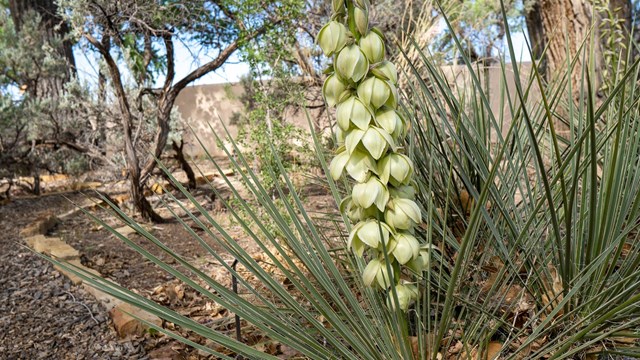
(51,27)
(556,24)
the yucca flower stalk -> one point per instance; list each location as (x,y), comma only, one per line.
(370,129)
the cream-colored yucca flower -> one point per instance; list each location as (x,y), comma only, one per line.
(371,192)
(372,46)
(396,169)
(332,90)
(351,64)
(406,293)
(371,233)
(385,70)
(402,214)
(332,37)
(390,120)
(406,247)
(355,213)
(376,270)
(358,164)
(375,140)
(361,18)
(353,111)
(377,92)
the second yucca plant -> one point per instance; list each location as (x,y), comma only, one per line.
(370,129)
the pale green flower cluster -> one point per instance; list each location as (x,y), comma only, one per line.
(363,87)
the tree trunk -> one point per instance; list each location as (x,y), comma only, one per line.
(558,24)
(184,165)
(52,28)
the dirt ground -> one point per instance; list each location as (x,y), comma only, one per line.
(44,316)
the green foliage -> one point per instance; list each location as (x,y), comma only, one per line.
(539,257)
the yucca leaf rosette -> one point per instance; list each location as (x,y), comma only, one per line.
(362,85)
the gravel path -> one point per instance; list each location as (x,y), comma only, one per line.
(42,314)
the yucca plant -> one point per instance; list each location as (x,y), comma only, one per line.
(529,232)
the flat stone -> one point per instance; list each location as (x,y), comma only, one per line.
(52,246)
(126,324)
(40,226)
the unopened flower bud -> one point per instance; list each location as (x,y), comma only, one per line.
(361,18)
(371,192)
(351,63)
(338,6)
(353,110)
(422,262)
(377,92)
(355,213)
(332,38)
(402,214)
(395,169)
(372,46)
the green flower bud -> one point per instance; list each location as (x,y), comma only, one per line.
(351,63)
(377,270)
(402,214)
(372,233)
(373,47)
(371,192)
(406,294)
(395,169)
(332,38)
(358,165)
(338,6)
(374,139)
(404,192)
(361,18)
(406,248)
(353,110)
(333,89)
(385,70)
(377,92)
(391,121)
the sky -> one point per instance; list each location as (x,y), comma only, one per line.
(232,71)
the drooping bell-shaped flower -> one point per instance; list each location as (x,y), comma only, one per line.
(376,92)
(355,213)
(372,46)
(385,70)
(358,165)
(377,271)
(371,233)
(390,120)
(371,192)
(402,214)
(351,63)
(353,111)
(332,37)
(406,248)
(406,293)
(396,169)
(332,89)
(375,140)
(422,262)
